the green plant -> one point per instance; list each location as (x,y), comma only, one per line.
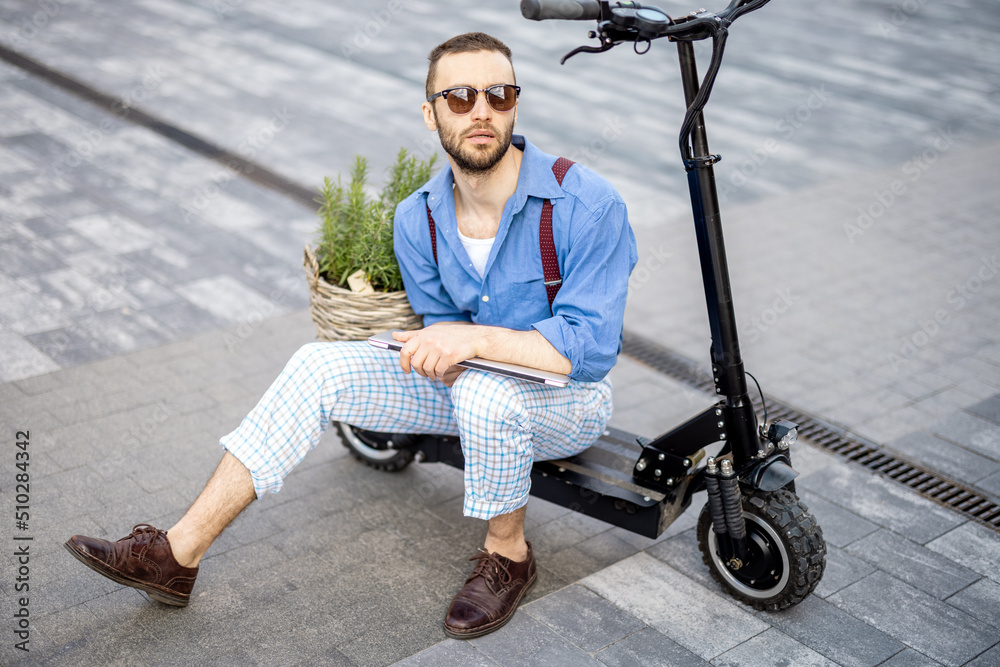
(356,231)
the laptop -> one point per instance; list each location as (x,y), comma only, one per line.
(385,341)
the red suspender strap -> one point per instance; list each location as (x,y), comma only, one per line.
(547,245)
(434,238)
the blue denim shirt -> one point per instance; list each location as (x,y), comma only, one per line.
(594,244)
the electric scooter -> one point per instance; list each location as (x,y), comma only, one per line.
(758,540)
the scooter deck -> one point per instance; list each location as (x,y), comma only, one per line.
(597,482)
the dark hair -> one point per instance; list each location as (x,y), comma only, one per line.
(470,42)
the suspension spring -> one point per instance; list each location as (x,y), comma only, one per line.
(732,507)
(715,508)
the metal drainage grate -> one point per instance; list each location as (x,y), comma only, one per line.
(928,483)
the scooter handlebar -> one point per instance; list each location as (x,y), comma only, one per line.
(572,10)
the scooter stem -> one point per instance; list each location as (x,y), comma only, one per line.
(727,364)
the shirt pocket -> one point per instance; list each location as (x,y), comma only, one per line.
(526,302)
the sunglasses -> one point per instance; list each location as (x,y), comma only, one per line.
(462,99)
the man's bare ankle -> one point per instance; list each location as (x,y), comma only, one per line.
(184,557)
(515,552)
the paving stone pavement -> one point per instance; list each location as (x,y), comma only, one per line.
(148,296)
(352,566)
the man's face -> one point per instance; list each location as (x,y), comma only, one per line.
(478,140)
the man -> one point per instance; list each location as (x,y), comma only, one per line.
(468,245)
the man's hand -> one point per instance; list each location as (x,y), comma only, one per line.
(434,351)
(452,374)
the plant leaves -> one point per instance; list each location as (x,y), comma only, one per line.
(356,230)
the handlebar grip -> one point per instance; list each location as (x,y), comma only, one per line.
(572,10)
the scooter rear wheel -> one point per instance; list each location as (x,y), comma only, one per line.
(788,553)
(377,450)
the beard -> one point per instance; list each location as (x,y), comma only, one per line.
(475,159)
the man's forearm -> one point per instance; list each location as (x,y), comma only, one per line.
(528,348)
(434,350)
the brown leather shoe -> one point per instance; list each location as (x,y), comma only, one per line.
(142,560)
(490,595)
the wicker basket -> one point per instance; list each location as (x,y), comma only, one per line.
(340,314)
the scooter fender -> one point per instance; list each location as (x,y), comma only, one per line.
(772,474)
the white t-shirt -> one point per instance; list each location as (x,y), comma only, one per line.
(478,251)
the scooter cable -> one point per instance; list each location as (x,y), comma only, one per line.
(763,403)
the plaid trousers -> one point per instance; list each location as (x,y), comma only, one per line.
(505,424)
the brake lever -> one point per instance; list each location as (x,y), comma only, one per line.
(607,33)
(605,46)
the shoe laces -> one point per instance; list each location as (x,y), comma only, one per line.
(144,532)
(491,567)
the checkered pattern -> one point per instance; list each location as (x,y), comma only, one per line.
(505,424)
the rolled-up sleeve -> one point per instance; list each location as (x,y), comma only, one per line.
(589,309)
(421,277)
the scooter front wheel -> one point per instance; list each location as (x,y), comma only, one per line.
(788,552)
(377,450)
